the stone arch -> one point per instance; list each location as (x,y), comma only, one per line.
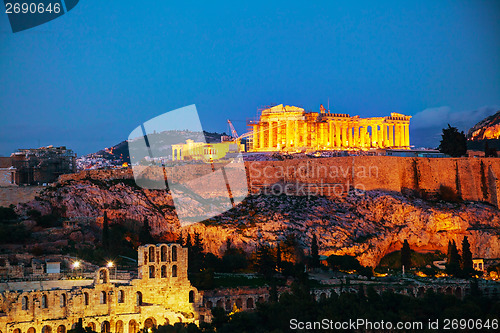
(25,303)
(105,327)
(17,330)
(219,304)
(121,296)
(448,291)
(174,271)
(174,253)
(322,297)
(138,298)
(151,254)
(86,298)
(420,292)
(31,330)
(150,323)
(164,252)
(102,275)
(458,292)
(250,303)
(209,304)
(191,296)
(164,271)
(62,300)
(133,327)
(102,297)
(45,303)
(228,305)
(61,329)
(46,329)
(260,299)
(119,326)
(239,303)
(92,326)
(151,271)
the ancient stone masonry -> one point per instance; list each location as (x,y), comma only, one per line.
(290,128)
(162,294)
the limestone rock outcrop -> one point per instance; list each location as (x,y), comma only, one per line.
(366,224)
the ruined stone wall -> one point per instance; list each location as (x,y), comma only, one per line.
(471,178)
(103,304)
(474,179)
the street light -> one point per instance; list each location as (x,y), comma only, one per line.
(110,264)
(76,265)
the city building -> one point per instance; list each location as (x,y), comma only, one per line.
(162,294)
(290,128)
(37,166)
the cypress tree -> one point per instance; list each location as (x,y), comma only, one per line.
(180,239)
(145,236)
(467,265)
(314,252)
(406,255)
(453,265)
(278,257)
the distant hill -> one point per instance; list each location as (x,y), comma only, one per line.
(485,131)
(119,153)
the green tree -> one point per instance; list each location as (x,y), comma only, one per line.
(180,239)
(453,264)
(278,257)
(467,265)
(314,252)
(145,236)
(406,255)
(265,261)
(453,142)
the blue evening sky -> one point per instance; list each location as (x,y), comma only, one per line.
(88,78)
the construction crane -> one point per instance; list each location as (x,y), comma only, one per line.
(233,130)
(234,134)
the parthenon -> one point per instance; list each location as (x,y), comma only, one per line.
(290,128)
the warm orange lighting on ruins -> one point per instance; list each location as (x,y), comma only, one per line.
(309,131)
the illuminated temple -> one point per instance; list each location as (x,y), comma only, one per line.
(290,128)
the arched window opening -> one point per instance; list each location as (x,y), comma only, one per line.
(151,254)
(105,327)
(102,297)
(24,303)
(121,296)
(45,304)
(62,301)
(250,303)
(138,298)
(163,271)
(164,250)
(86,298)
(174,271)
(174,253)
(151,272)
(191,296)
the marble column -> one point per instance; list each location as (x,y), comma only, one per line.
(296,134)
(374,138)
(255,142)
(391,135)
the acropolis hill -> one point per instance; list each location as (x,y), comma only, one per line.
(398,199)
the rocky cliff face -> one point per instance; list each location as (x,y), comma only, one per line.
(366,224)
(488,128)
